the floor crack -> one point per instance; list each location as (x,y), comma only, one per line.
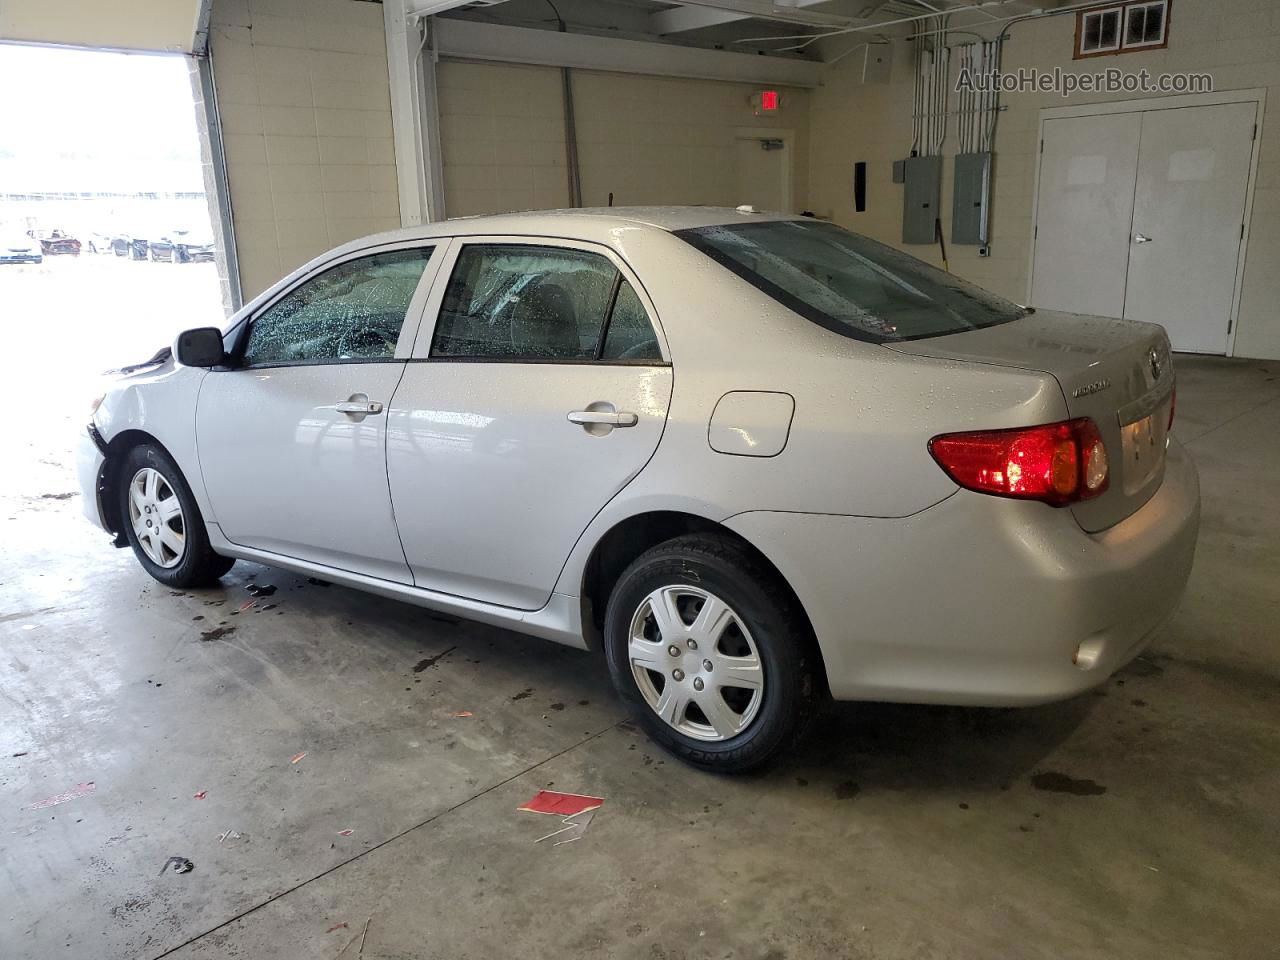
(431,819)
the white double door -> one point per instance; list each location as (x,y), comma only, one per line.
(1140,215)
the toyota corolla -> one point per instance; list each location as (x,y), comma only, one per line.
(756,460)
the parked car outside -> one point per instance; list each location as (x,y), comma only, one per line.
(98,242)
(755,459)
(55,242)
(131,243)
(17,247)
(128,245)
(183,246)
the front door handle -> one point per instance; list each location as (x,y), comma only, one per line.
(1139,238)
(608,418)
(359,404)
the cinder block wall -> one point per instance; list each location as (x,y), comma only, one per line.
(1236,41)
(306,121)
(648,140)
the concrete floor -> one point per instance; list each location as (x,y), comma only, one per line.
(896,832)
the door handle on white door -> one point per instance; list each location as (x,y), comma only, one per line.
(1139,238)
(359,404)
(609,418)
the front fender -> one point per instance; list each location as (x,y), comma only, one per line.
(160,406)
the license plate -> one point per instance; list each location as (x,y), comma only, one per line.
(1143,447)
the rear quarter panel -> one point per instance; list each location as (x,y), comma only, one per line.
(864,415)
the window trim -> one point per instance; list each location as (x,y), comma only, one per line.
(1121,47)
(421,352)
(408,330)
(1164,26)
(1080,53)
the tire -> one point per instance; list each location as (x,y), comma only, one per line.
(181,561)
(761,638)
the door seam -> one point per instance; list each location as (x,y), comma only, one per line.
(386,469)
(1133,213)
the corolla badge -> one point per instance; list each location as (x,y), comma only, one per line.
(1157,364)
(1096,387)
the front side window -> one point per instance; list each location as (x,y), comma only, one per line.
(849,284)
(350,313)
(524,302)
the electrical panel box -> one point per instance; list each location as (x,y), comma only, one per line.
(921,199)
(971,198)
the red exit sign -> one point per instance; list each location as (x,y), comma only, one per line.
(766,102)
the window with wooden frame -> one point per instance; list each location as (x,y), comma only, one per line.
(1122,28)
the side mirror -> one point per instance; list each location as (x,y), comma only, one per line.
(201,347)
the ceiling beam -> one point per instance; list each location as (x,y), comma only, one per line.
(428,8)
(475,40)
(696,14)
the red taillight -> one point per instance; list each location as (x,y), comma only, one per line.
(1058,463)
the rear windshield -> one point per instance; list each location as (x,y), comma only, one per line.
(849,284)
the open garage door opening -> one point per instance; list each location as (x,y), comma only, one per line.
(106,244)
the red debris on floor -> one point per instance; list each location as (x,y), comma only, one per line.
(561,804)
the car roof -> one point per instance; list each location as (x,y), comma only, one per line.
(584,222)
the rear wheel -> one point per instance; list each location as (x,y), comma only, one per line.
(163,523)
(710,653)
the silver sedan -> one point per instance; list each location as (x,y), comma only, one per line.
(755,460)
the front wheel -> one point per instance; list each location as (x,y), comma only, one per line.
(163,523)
(710,653)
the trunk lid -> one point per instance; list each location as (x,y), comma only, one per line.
(1117,372)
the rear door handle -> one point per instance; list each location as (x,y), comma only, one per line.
(622,418)
(1139,238)
(359,404)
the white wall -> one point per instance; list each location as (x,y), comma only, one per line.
(1237,41)
(647,139)
(306,120)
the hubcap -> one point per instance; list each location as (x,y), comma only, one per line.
(155,512)
(695,663)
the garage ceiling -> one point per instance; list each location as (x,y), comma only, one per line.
(169,26)
(765,26)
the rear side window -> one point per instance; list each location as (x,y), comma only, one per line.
(524,302)
(350,313)
(629,336)
(849,284)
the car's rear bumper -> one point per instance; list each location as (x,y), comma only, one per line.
(981,600)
